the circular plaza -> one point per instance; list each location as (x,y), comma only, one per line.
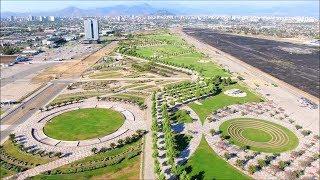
(81,126)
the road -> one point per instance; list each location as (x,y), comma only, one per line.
(25,73)
(28,108)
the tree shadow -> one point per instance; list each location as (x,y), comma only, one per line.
(199,176)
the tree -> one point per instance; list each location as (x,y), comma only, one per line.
(252,169)
(120,141)
(262,163)
(184,176)
(58,154)
(212,131)
(12,136)
(94,150)
(113,145)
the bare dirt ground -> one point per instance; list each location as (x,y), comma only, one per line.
(74,69)
(6,59)
(295,64)
(284,95)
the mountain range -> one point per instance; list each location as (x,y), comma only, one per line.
(142,9)
(147,9)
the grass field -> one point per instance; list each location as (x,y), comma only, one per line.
(84,124)
(14,151)
(206,164)
(260,134)
(105,74)
(127,169)
(5,172)
(172,48)
(221,100)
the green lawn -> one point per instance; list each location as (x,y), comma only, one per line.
(14,151)
(260,135)
(256,135)
(5,172)
(221,100)
(84,124)
(173,49)
(127,169)
(206,164)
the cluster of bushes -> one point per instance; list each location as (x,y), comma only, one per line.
(137,101)
(155,129)
(152,67)
(128,140)
(12,167)
(68,101)
(127,49)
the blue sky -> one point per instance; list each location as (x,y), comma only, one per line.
(41,6)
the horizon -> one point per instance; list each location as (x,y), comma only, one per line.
(256,8)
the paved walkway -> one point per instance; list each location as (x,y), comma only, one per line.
(148,162)
(195,130)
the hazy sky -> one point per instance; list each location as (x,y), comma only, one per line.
(38,6)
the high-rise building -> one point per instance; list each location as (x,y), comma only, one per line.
(91,30)
(51,18)
(31,18)
(12,18)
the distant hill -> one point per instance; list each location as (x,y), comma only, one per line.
(163,12)
(142,9)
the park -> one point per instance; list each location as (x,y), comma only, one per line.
(157,106)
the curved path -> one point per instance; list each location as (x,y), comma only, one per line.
(195,130)
(31,135)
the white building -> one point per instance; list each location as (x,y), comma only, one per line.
(91,30)
(51,18)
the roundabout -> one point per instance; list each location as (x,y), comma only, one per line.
(84,124)
(259,135)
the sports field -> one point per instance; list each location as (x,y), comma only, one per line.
(259,135)
(84,124)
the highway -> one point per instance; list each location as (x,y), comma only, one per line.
(28,108)
(25,73)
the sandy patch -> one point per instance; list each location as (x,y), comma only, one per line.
(235,93)
(197,102)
